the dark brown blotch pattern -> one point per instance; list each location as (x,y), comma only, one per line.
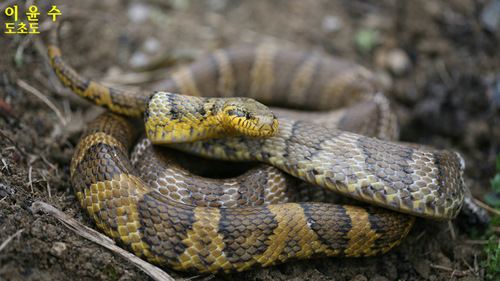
(330,222)
(246,232)
(164,225)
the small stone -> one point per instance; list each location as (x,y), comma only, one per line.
(359,277)
(180,5)
(6,191)
(138,12)
(490,16)
(151,45)
(397,61)
(217,5)
(379,278)
(494,92)
(58,249)
(139,59)
(384,79)
(331,23)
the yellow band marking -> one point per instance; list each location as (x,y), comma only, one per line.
(203,241)
(292,225)
(98,93)
(361,236)
(336,90)
(302,80)
(262,75)
(227,82)
(185,82)
(114,202)
(53,51)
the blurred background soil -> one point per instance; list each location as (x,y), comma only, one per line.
(439,61)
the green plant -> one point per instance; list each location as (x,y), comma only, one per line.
(492,248)
(492,262)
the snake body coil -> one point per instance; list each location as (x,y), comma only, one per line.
(165,231)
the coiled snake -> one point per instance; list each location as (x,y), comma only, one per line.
(190,223)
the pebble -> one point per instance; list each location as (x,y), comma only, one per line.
(490,16)
(180,5)
(494,92)
(331,23)
(6,191)
(58,249)
(385,80)
(139,59)
(379,278)
(138,12)
(359,277)
(394,60)
(217,5)
(152,45)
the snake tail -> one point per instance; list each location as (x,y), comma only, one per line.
(129,103)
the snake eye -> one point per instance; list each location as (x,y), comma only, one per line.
(236,112)
(248,115)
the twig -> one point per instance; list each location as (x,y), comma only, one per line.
(420,235)
(486,207)
(30,89)
(30,179)
(7,241)
(476,264)
(51,166)
(96,237)
(454,272)
(20,49)
(443,73)
(476,242)
(48,186)
(5,166)
(452,231)
(470,267)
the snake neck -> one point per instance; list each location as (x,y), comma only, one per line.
(172,118)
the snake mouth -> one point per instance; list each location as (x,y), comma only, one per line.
(270,129)
(254,128)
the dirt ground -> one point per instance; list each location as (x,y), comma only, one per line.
(440,65)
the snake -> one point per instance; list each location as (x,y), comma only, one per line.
(214,114)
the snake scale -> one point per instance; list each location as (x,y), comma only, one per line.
(195,230)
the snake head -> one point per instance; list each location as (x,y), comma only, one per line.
(249,117)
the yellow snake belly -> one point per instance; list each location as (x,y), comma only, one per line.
(408,179)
